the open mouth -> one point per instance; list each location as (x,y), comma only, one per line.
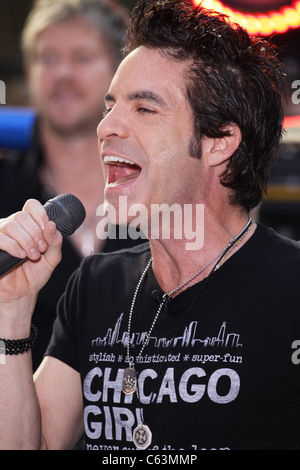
(62,95)
(120,170)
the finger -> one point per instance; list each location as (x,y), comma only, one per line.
(34,230)
(20,232)
(11,246)
(37,212)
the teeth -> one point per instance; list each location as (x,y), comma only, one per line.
(112,159)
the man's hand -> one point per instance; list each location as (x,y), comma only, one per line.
(28,234)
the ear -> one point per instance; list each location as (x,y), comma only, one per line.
(219,150)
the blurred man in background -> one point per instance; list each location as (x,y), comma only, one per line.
(71,49)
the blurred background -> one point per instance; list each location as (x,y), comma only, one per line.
(277,20)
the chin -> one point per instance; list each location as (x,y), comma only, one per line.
(67,127)
(120,211)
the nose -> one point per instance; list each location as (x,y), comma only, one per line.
(65,69)
(62,67)
(113,124)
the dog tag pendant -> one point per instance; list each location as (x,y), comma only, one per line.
(129,380)
(142,436)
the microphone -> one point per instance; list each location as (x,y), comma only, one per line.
(68,213)
(155,294)
(158,297)
(16,127)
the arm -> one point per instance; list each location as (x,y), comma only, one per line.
(20,417)
(59,393)
(25,234)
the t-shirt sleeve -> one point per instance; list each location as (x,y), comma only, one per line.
(63,344)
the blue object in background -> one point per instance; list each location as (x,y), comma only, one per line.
(16,127)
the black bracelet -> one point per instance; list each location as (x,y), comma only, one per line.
(18,346)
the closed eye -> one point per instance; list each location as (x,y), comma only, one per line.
(105,112)
(146,111)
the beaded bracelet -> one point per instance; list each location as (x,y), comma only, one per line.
(18,346)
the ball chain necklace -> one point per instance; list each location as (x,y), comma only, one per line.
(142,435)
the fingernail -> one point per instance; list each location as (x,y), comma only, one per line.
(53,230)
(34,253)
(42,245)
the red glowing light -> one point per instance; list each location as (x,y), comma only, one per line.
(291,121)
(264,24)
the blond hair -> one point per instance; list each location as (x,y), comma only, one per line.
(106,16)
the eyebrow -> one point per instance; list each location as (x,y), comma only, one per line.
(147,95)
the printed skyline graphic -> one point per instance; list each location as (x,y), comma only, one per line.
(188,338)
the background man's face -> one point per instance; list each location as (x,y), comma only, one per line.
(69,75)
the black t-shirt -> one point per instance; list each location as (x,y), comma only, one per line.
(221,369)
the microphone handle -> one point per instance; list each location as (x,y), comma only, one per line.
(9,262)
(66,211)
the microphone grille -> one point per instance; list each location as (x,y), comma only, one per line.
(67,211)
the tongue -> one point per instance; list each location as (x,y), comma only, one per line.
(121,173)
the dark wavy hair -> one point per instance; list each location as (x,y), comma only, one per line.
(233,78)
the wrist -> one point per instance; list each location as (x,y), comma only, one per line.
(18,346)
(15,319)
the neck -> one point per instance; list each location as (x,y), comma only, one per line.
(71,163)
(173,264)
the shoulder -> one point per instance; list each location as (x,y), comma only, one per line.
(18,170)
(275,261)
(107,275)
(276,247)
(11,159)
(126,261)
(267,262)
